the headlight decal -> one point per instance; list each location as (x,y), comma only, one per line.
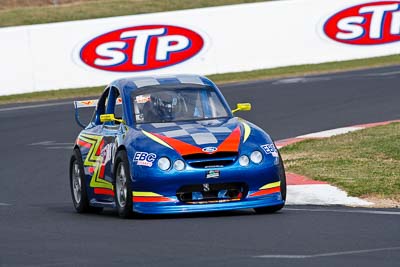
(247,131)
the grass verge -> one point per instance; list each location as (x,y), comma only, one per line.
(78,10)
(223,78)
(364,163)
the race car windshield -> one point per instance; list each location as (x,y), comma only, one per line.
(163,103)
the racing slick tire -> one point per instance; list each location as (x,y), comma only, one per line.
(282,178)
(78,185)
(123,186)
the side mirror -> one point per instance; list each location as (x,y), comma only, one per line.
(109,117)
(242,107)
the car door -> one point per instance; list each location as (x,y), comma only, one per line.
(99,143)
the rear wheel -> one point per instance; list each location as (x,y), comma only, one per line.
(282,178)
(123,188)
(78,185)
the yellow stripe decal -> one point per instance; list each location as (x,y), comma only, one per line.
(271,185)
(247,131)
(95,161)
(155,139)
(145,194)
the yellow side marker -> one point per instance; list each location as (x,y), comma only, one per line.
(271,185)
(145,194)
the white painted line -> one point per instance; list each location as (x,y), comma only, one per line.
(290,80)
(53,145)
(383,73)
(376,212)
(331,254)
(330,133)
(4,204)
(43,143)
(36,106)
(282,256)
(321,194)
(60,147)
(50,143)
(301,80)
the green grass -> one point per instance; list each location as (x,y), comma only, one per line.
(222,78)
(365,163)
(101,9)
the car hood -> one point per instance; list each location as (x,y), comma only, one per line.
(193,137)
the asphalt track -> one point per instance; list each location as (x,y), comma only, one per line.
(38,226)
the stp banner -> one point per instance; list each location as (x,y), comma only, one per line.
(200,41)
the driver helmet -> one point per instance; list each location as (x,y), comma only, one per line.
(165,105)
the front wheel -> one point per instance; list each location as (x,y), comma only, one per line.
(282,179)
(123,187)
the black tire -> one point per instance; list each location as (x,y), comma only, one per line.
(81,203)
(282,178)
(124,204)
(80,199)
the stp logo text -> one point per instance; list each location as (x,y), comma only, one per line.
(141,48)
(366,24)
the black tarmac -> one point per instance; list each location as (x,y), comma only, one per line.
(39,227)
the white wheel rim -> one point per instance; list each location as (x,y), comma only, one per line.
(76,183)
(120,184)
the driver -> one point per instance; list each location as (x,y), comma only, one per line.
(161,107)
(164,104)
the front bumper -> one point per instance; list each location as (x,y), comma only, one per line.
(158,192)
(179,207)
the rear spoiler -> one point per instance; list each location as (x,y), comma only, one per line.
(85,104)
(88,104)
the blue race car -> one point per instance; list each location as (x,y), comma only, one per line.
(158,145)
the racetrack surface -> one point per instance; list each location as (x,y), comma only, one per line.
(38,226)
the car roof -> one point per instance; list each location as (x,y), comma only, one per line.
(127,85)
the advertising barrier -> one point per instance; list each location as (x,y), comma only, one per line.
(201,41)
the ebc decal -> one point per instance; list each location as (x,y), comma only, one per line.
(144,159)
(270,149)
(366,24)
(141,48)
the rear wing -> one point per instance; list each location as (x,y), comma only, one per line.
(88,104)
(85,104)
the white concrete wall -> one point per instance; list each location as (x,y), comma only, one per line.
(236,38)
